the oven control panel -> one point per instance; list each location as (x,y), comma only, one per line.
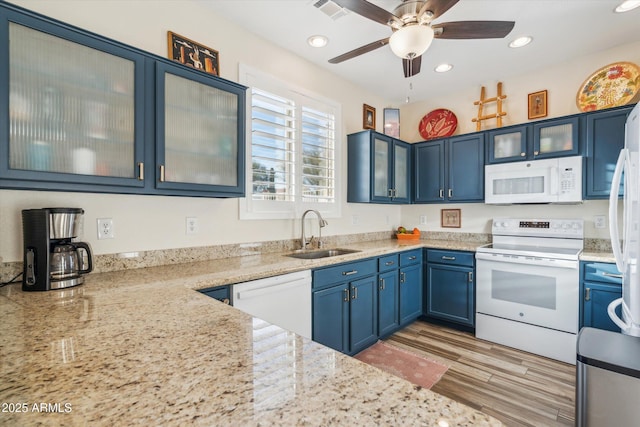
(572,228)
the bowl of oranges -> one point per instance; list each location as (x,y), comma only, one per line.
(404,234)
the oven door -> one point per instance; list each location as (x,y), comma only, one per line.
(534,290)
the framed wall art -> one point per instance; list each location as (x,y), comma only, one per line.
(450,218)
(538,104)
(391,117)
(193,54)
(368,117)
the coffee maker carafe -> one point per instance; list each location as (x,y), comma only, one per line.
(52,260)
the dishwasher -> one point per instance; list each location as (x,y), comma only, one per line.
(284,300)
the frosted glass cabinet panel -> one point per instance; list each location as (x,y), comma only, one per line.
(381,179)
(198,130)
(71,107)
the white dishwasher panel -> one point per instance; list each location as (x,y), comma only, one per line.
(283,300)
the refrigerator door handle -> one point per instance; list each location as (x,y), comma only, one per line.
(611,310)
(613,209)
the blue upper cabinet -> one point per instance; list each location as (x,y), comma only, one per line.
(604,132)
(450,170)
(79,112)
(538,140)
(198,132)
(378,169)
(508,144)
(556,138)
(73,115)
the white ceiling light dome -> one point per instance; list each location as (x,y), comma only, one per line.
(411,41)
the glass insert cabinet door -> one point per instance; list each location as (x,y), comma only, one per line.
(381,177)
(558,137)
(72,108)
(197,129)
(401,171)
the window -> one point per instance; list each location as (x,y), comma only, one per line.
(291,148)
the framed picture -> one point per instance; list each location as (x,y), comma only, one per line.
(368,117)
(450,218)
(391,117)
(538,104)
(193,54)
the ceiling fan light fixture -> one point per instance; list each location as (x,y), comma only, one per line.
(521,41)
(627,5)
(443,68)
(411,41)
(317,41)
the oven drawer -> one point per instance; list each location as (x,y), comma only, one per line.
(450,257)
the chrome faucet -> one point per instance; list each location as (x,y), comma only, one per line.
(321,223)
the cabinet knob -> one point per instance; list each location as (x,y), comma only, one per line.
(535,153)
(441,193)
(523,154)
(140,171)
(450,193)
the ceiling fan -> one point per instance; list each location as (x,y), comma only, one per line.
(413,32)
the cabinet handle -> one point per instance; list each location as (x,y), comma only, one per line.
(411,258)
(403,277)
(470,275)
(441,193)
(615,276)
(354,294)
(349,273)
(450,193)
(587,294)
(140,171)
(161,173)
(382,284)
(389,263)
(448,258)
(390,192)
(535,153)
(523,154)
(346,295)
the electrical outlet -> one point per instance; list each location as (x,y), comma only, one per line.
(600,221)
(423,220)
(192,225)
(105,228)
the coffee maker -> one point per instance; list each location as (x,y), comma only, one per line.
(52,260)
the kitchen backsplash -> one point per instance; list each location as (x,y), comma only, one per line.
(130,260)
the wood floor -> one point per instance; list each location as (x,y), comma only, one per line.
(518,388)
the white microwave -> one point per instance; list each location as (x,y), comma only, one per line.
(556,180)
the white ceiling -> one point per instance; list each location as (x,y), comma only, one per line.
(561,29)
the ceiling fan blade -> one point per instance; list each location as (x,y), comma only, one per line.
(369,10)
(411,67)
(473,29)
(438,7)
(359,51)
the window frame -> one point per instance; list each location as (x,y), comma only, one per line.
(277,209)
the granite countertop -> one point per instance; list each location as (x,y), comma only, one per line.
(142,347)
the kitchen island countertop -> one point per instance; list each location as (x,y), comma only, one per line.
(142,347)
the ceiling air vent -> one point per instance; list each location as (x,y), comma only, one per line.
(331,9)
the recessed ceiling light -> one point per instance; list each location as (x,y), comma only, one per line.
(443,68)
(317,41)
(521,41)
(627,5)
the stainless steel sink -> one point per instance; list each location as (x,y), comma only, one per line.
(321,253)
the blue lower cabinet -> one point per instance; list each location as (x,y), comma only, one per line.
(221,293)
(331,317)
(388,317)
(410,293)
(450,287)
(364,314)
(345,305)
(600,284)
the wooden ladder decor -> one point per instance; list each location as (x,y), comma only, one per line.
(498,115)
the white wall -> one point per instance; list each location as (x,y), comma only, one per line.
(156,222)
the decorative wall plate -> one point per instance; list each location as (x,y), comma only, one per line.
(437,124)
(611,86)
